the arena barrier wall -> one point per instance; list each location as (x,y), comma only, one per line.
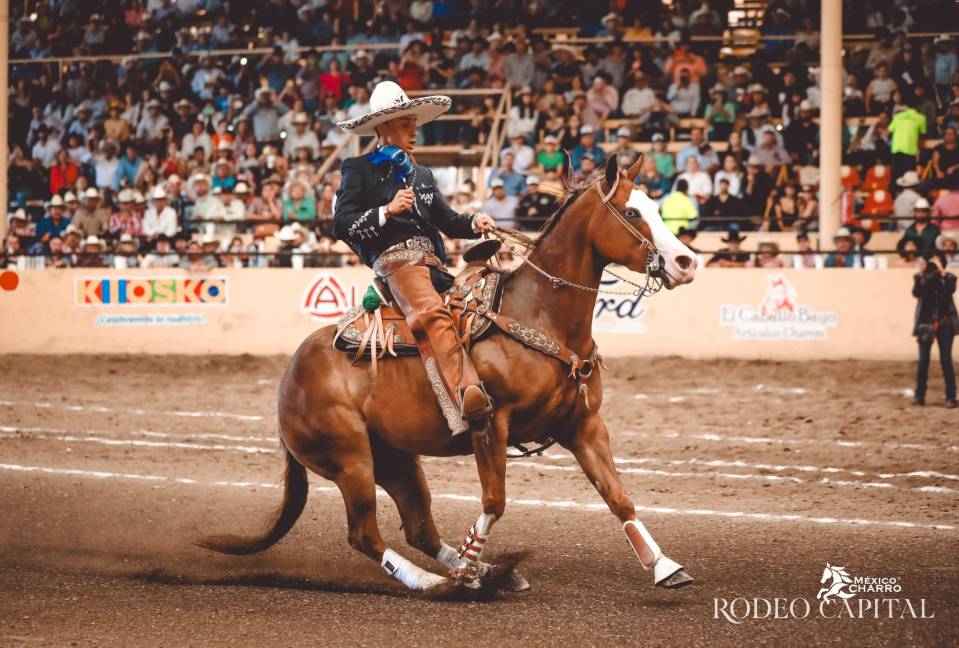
(736,313)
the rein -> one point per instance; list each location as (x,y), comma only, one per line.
(653,283)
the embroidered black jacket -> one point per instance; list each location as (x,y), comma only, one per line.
(365,187)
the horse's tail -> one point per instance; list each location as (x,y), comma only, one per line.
(295,489)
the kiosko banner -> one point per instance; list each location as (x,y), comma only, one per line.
(143,291)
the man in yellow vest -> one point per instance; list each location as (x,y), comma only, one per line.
(678,209)
(906,127)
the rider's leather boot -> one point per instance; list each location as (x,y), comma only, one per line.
(448,366)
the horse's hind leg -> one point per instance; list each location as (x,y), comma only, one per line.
(401,476)
(591,448)
(349,464)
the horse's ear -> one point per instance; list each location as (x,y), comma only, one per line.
(611,171)
(635,168)
(566,170)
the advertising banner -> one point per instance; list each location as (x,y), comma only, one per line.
(737,313)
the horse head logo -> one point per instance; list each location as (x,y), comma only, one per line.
(840,579)
(780,298)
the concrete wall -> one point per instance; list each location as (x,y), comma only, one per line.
(785,314)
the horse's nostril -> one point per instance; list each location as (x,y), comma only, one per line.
(684,262)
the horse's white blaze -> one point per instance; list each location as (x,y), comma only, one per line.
(669,246)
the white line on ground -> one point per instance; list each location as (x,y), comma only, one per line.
(137,411)
(565,504)
(738,463)
(770,389)
(892,445)
(722,438)
(8,432)
(15,429)
(741,476)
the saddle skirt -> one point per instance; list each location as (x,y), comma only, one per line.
(370,335)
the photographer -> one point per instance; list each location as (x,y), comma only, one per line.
(936,320)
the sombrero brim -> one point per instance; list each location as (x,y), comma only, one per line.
(425,109)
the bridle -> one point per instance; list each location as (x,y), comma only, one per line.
(654,260)
(654,264)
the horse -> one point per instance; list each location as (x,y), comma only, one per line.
(360,428)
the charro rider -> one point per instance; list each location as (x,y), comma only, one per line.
(390,212)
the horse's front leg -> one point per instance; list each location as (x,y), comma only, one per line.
(590,446)
(490,452)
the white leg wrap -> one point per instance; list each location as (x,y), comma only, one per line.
(448,557)
(642,543)
(407,573)
(648,552)
(484,524)
(477,537)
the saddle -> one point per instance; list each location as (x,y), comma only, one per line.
(372,334)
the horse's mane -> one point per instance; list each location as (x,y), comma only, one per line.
(573,191)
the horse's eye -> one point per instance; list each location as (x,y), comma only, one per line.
(630,213)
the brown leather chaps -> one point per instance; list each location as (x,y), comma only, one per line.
(451,373)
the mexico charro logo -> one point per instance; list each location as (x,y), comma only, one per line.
(842,595)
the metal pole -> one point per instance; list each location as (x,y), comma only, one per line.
(830,121)
(4,91)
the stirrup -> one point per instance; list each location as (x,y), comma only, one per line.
(480,415)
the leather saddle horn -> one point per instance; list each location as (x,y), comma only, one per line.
(482,251)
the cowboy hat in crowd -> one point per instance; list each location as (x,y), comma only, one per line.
(733,236)
(908,179)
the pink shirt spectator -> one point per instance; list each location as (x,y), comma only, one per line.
(947,204)
(600,101)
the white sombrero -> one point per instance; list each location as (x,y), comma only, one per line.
(388,101)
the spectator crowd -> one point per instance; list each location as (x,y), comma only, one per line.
(197,159)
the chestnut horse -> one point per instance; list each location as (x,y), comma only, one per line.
(358,429)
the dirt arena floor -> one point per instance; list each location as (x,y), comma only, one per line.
(753,475)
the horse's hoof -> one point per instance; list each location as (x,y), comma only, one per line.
(677,580)
(517,582)
(439,589)
(467,576)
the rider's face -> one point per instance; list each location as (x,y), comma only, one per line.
(399,132)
